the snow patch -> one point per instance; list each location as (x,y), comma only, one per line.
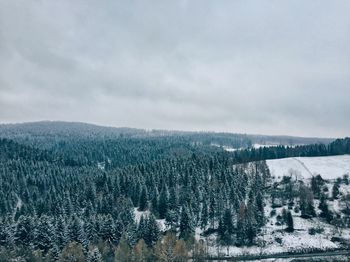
(329,167)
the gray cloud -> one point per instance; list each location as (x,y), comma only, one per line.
(274,67)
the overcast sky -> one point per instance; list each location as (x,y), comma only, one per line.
(247,66)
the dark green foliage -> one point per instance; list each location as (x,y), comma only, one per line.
(24,232)
(335,191)
(325,212)
(315,230)
(226,229)
(108,230)
(316,185)
(148,230)
(306,203)
(163,202)
(289,222)
(153,232)
(143,202)
(186,223)
(44,234)
(246,226)
(172,219)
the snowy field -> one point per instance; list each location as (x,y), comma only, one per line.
(329,167)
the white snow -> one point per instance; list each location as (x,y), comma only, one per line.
(257,146)
(226,148)
(329,167)
(101,165)
(230,149)
(138,214)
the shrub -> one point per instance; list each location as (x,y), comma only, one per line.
(315,230)
(278,240)
(273,213)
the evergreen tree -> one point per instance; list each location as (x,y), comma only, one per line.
(204,216)
(153,231)
(82,239)
(3,233)
(306,203)
(186,223)
(108,230)
(335,191)
(43,234)
(246,226)
(173,199)
(226,230)
(163,202)
(54,253)
(75,226)
(289,221)
(171,220)
(155,201)
(142,228)
(131,234)
(143,202)
(24,230)
(61,233)
(94,255)
(89,230)
(325,212)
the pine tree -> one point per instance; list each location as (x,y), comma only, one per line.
(89,230)
(212,210)
(143,202)
(289,222)
(173,199)
(163,202)
(94,255)
(325,212)
(54,253)
(108,230)
(155,201)
(246,226)
(186,224)
(204,216)
(142,228)
(43,234)
(226,229)
(335,191)
(82,239)
(153,231)
(131,234)
(259,202)
(24,230)
(61,233)
(3,233)
(74,228)
(306,203)
(171,220)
